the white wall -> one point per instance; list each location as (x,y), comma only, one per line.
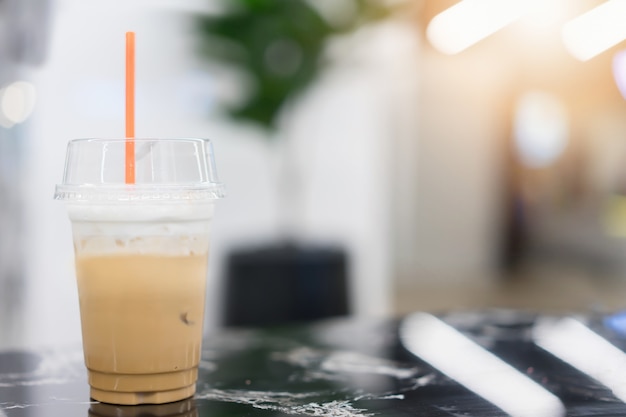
(343,131)
(463,131)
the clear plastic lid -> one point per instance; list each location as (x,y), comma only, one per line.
(165,170)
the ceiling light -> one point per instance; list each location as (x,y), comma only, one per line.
(469,21)
(596,31)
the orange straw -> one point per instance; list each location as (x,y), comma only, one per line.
(130,107)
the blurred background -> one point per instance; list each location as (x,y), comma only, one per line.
(438,154)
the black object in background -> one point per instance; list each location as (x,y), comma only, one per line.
(284,283)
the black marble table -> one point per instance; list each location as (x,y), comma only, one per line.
(490,363)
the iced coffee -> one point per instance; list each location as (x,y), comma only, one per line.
(141,265)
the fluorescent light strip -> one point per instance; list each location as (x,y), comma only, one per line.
(596,31)
(475,368)
(573,342)
(469,21)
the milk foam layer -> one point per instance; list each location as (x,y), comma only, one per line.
(138,212)
(168,229)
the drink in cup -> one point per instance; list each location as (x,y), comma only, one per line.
(141,262)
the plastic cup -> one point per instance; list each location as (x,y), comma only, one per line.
(141,263)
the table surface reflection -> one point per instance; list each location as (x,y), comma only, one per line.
(489,363)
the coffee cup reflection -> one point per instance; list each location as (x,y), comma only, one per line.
(185,408)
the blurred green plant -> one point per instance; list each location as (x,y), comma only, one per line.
(279,45)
